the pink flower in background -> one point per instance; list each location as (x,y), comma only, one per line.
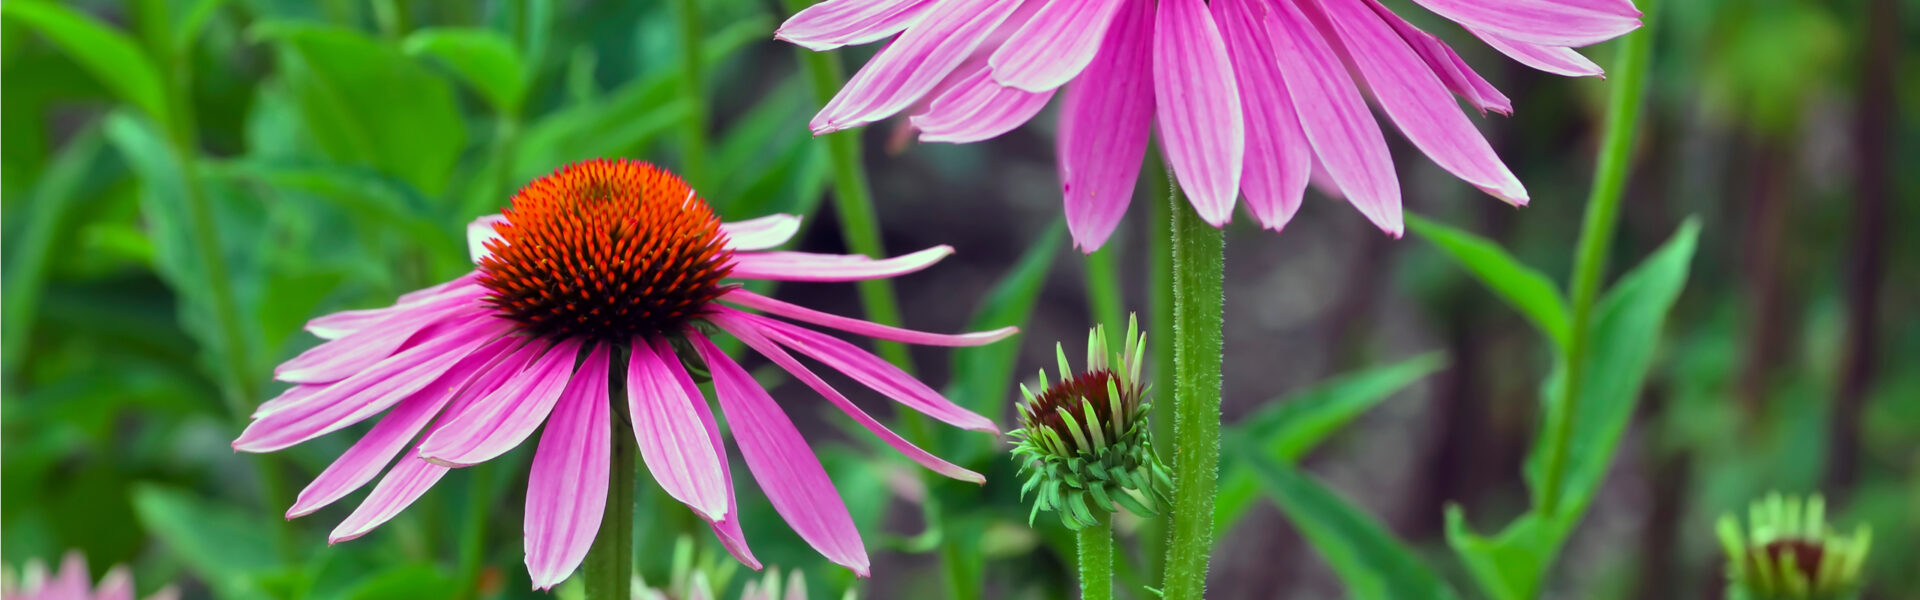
(72,583)
(1248,96)
(602,265)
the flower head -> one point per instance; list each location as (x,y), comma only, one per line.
(71,583)
(600,281)
(1249,96)
(1083,442)
(1789,553)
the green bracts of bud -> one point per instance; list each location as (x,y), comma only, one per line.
(1787,552)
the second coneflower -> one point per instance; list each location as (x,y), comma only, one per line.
(604,272)
(1083,443)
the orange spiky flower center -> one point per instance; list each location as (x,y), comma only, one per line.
(606,250)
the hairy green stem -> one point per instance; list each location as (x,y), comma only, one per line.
(1096,558)
(609,563)
(1596,239)
(1199,264)
(693,138)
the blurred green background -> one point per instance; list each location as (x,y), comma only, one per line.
(326,155)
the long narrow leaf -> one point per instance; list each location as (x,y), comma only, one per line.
(1368,558)
(1527,289)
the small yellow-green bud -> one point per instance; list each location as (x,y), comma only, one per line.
(1787,552)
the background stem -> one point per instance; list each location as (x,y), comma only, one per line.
(1096,558)
(1105,297)
(693,137)
(609,564)
(1199,263)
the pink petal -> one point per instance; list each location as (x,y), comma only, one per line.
(672,442)
(116,585)
(360,463)
(1446,63)
(567,484)
(395,492)
(338,325)
(726,530)
(780,460)
(1552,59)
(796,312)
(295,395)
(1203,132)
(807,266)
(72,581)
(909,67)
(1345,137)
(732,321)
(1546,22)
(762,233)
(1105,122)
(837,23)
(338,359)
(1055,45)
(502,419)
(1279,158)
(977,109)
(481,231)
(872,372)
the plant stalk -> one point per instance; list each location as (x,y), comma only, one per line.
(609,563)
(693,140)
(1199,264)
(1096,558)
(1105,296)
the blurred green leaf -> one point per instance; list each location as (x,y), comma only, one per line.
(1626,333)
(377,199)
(1287,428)
(112,57)
(48,223)
(367,103)
(1528,290)
(984,375)
(1367,557)
(408,582)
(485,60)
(221,544)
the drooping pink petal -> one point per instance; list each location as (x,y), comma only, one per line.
(872,372)
(1345,138)
(726,530)
(762,233)
(1105,122)
(361,462)
(410,478)
(743,297)
(976,109)
(1552,59)
(116,585)
(807,266)
(1279,158)
(338,359)
(1202,127)
(72,581)
(1446,63)
(1545,22)
(781,461)
(338,325)
(1624,8)
(366,394)
(567,484)
(837,23)
(1054,46)
(297,394)
(498,422)
(1418,102)
(481,231)
(909,67)
(673,443)
(731,321)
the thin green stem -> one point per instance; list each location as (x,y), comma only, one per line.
(609,563)
(1596,238)
(1199,265)
(693,138)
(1096,559)
(1104,294)
(473,536)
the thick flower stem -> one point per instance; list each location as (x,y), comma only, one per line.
(1199,263)
(609,564)
(1596,239)
(1096,558)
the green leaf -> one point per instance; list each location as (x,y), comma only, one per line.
(223,546)
(1526,289)
(1367,557)
(113,57)
(365,102)
(49,220)
(485,60)
(375,198)
(1286,429)
(1626,332)
(984,375)
(409,582)
(163,205)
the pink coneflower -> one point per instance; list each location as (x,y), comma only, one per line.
(1249,96)
(600,263)
(71,583)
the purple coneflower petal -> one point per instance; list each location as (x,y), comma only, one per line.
(729,320)
(762,233)
(1197,104)
(910,66)
(404,484)
(1054,46)
(1546,22)
(978,109)
(295,395)
(71,581)
(567,484)
(1105,123)
(1552,59)
(1279,158)
(728,529)
(836,23)
(481,231)
(780,460)
(872,372)
(341,324)
(339,359)
(673,443)
(501,420)
(807,266)
(743,297)
(117,584)
(1446,63)
(1345,138)
(1418,102)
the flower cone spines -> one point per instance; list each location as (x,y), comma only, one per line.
(1083,445)
(1788,552)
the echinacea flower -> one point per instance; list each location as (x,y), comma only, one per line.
(1788,552)
(601,263)
(1248,96)
(71,583)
